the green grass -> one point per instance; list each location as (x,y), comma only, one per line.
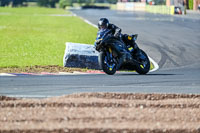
(32,36)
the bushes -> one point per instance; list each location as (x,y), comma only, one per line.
(52,3)
(13,3)
(4,2)
(47,3)
(64,3)
(190,4)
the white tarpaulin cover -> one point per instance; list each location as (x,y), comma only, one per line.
(80,55)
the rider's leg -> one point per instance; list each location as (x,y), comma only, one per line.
(124,38)
(130,41)
(136,49)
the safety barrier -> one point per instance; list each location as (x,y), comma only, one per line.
(160,9)
(139,6)
(131,6)
(80,55)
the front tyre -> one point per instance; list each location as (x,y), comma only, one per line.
(144,66)
(106,64)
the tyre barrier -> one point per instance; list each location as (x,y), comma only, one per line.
(142,6)
(80,56)
(95,7)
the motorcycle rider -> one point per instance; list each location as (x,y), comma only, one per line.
(104,24)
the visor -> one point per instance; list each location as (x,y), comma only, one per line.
(102,27)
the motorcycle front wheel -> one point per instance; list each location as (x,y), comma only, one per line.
(106,64)
(144,66)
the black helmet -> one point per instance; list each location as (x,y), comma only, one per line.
(103,23)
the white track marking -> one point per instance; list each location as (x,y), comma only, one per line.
(6,74)
(156,66)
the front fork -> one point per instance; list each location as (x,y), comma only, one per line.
(109,60)
(110,54)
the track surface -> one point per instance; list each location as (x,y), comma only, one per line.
(164,81)
(172,41)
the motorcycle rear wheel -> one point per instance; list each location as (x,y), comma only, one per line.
(106,65)
(144,67)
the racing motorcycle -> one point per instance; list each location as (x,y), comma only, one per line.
(111,50)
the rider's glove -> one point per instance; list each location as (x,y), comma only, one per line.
(97,47)
(98,41)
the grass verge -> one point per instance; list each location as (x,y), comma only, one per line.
(36,36)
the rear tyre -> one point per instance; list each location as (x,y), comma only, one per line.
(108,66)
(144,66)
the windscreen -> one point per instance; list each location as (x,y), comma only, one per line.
(102,33)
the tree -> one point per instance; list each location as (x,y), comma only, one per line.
(17,3)
(43,3)
(14,3)
(52,3)
(47,3)
(64,3)
(190,4)
(4,2)
(112,1)
(80,2)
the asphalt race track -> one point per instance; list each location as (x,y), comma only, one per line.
(172,41)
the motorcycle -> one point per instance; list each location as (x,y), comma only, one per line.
(111,50)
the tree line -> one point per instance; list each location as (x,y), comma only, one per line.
(11,2)
(52,3)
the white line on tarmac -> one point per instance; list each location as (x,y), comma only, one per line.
(56,74)
(6,74)
(156,66)
(87,21)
